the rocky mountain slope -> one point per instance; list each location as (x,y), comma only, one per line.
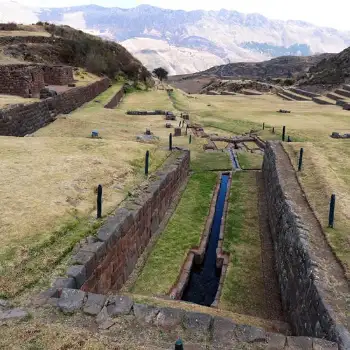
(185,42)
(64,45)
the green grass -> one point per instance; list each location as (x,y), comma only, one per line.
(182,233)
(206,161)
(249,160)
(243,285)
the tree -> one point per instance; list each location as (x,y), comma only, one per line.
(161,73)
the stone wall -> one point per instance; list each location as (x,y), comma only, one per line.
(58,75)
(104,263)
(26,119)
(301,292)
(114,102)
(21,80)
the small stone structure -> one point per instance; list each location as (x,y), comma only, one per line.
(336,135)
(283,111)
(185,116)
(104,264)
(27,80)
(170,116)
(156,112)
(177,131)
(168,125)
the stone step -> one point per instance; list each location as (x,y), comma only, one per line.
(303,92)
(334,96)
(322,100)
(346,87)
(280,94)
(341,103)
(342,92)
(295,96)
(347,107)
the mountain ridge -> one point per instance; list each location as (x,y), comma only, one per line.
(189,41)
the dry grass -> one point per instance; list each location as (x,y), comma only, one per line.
(326,169)
(8,100)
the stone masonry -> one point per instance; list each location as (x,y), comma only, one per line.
(26,119)
(114,102)
(301,292)
(104,264)
(27,80)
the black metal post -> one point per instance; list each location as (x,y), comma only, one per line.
(99,201)
(147,163)
(273,130)
(170,142)
(301,159)
(190,139)
(180,124)
(283,133)
(263,126)
(331,212)
(289,139)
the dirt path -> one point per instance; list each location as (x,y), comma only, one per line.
(271,287)
(327,269)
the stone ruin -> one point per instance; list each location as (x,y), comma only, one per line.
(147,137)
(336,135)
(47,93)
(283,111)
(156,112)
(177,132)
(168,125)
(170,116)
(26,80)
(185,116)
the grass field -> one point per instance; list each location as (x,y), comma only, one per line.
(243,285)
(249,160)
(182,233)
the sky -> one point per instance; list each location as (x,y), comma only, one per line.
(333,14)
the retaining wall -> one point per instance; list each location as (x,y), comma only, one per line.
(58,75)
(26,119)
(114,102)
(104,264)
(301,292)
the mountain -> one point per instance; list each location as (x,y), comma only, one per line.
(185,42)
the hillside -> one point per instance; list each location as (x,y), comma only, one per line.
(48,43)
(189,41)
(328,73)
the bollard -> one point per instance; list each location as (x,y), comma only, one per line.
(273,130)
(170,142)
(283,133)
(331,212)
(180,124)
(146,163)
(263,126)
(190,139)
(301,159)
(179,345)
(289,139)
(99,201)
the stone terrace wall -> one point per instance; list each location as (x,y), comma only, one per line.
(58,75)
(26,119)
(301,292)
(25,81)
(114,102)
(104,264)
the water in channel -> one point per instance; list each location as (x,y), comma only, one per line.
(204,279)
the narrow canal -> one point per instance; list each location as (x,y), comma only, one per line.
(204,279)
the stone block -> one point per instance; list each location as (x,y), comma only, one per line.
(71,300)
(145,313)
(119,305)
(197,322)
(103,320)
(94,304)
(177,131)
(98,248)
(169,317)
(223,333)
(299,343)
(275,341)
(61,282)
(13,314)
(322,344)
(88,259)
(108,233)
(249,334)
(78,272)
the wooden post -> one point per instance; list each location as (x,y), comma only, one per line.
(289,139)
(331,212)
(263,126)
(190,139)
(147,163)
(170,142)
(300,159)
(99,201)
(283,133)
(273,130)
(180,124)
